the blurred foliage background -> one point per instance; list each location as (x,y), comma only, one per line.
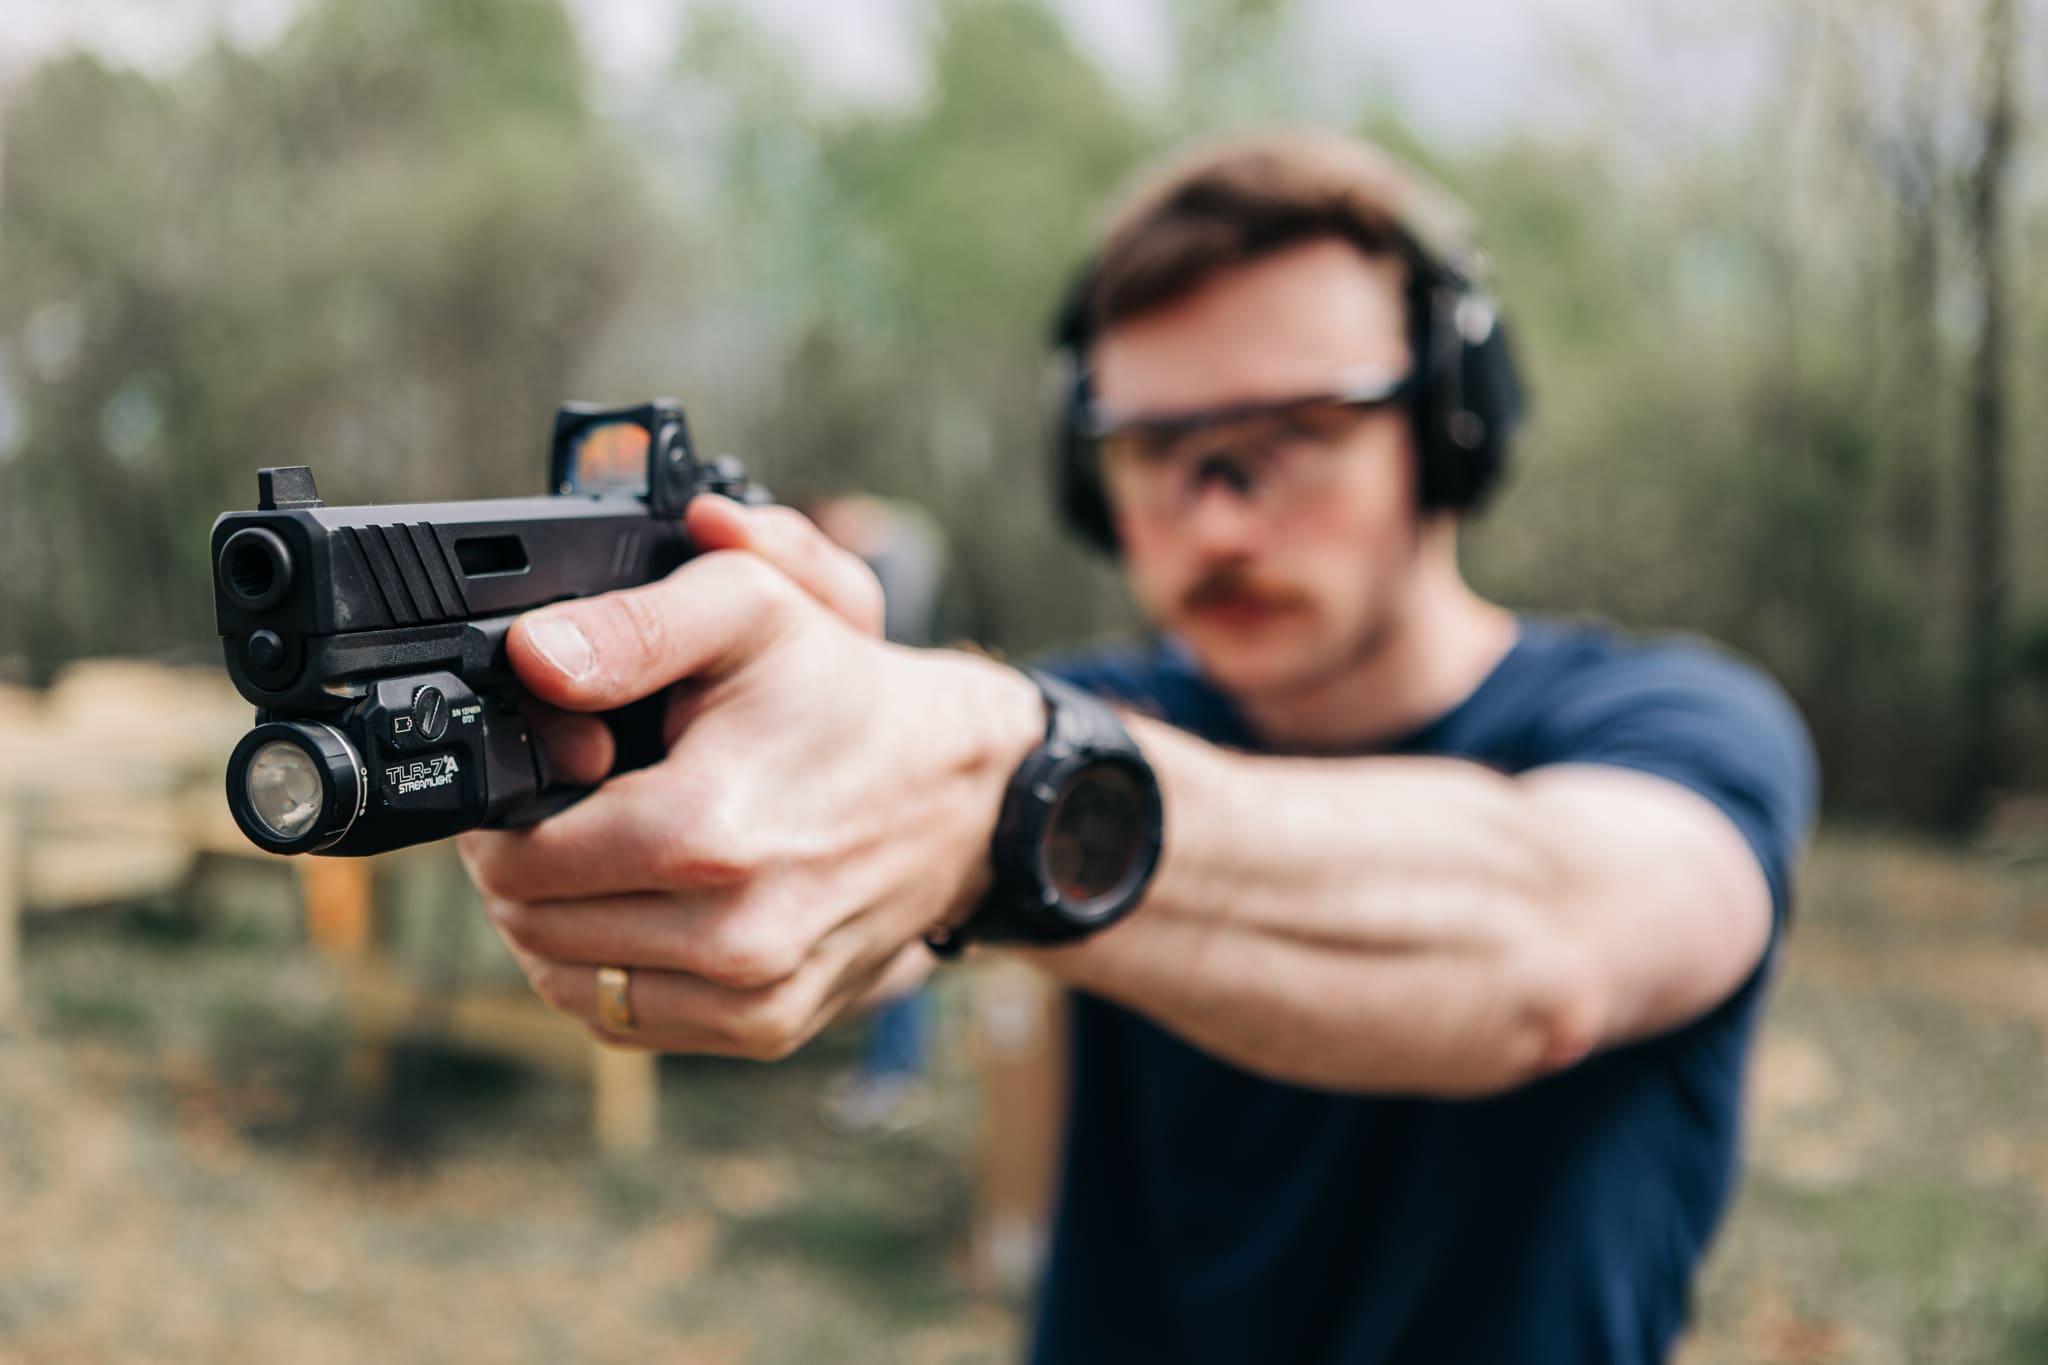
(1784,329)
(1779,356)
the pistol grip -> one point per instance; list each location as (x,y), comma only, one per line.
(637,732)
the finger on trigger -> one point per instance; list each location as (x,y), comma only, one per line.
(579,748)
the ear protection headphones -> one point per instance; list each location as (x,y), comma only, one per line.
(1468,398)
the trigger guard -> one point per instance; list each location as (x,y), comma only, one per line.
(549,802)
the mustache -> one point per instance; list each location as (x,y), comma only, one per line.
(1232,582)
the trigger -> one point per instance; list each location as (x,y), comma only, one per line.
(543,771)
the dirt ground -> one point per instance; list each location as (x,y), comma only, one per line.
(184,1175)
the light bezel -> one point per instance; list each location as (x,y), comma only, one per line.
(344,784)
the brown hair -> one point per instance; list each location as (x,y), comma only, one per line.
(1225,203)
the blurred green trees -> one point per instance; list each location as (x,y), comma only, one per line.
(377,249)
(388,245)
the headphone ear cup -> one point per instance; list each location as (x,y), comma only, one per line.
(1492,403)
(1083,505)
(1440,477)
(1077,493)
(1471,401)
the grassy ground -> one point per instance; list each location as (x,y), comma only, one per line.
(183,1177)
(1897,1201)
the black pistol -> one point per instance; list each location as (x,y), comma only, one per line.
(372,639)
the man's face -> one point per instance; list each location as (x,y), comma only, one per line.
(1284,582)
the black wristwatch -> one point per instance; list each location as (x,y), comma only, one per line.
(1079,832)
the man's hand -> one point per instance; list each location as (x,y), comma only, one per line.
(579,746)
(825,801)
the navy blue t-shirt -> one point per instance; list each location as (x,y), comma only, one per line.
(1208,1214)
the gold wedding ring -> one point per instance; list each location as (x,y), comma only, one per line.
(615,1000)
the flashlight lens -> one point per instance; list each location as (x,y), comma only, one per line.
(284,788)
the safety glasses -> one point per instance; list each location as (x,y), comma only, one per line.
(1276,453)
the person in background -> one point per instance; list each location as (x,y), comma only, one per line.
(1417,945)
(906,551)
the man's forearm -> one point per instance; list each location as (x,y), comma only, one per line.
(1385,924)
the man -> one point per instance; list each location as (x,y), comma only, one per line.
(1421,1037)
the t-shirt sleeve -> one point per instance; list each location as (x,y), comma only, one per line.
(1708,722)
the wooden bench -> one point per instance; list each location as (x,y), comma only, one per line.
(386,1007)
(110,791)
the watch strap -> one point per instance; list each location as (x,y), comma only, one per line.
(1077,724)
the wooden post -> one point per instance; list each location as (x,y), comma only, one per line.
(339,914)
(1020,1032)
(340,918)
(13,870)
(625,1097)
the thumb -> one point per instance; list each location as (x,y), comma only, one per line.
(704,620)
(792,542)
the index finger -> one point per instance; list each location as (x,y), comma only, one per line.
(579,748)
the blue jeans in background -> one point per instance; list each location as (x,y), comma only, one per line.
(899,1038)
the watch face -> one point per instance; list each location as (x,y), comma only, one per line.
(1095,835)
